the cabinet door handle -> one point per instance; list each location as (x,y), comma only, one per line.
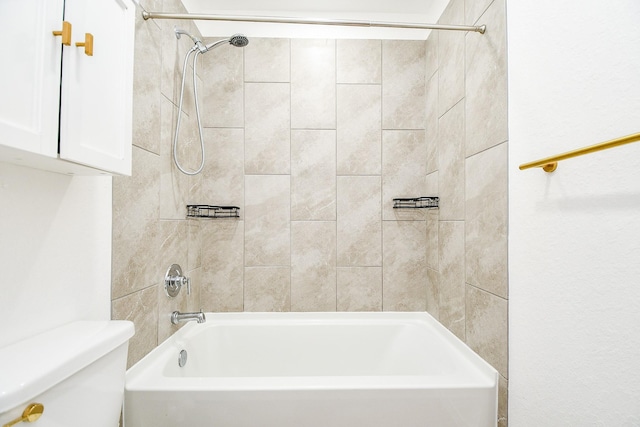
(88,44)
(65,33)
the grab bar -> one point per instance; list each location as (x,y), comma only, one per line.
(550,164)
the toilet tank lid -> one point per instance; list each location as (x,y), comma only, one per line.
(35,364)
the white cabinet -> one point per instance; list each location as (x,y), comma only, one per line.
(61,109)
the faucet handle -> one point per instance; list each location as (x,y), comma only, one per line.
(174,280)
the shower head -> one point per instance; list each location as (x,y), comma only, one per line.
(237,40)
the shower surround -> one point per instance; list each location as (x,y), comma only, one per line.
(313,160)
(312,139)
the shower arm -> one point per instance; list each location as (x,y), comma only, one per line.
(286,20)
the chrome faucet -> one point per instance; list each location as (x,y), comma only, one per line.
(177,317)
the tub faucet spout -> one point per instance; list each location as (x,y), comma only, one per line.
(177,317)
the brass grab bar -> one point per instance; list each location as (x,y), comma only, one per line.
(550,164)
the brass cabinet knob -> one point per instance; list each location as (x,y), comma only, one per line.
(88,44)
(65,33)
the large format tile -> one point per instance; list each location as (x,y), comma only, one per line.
(359,289)
(487,221)
(432,56)
(451,307)
(221,93)
(176,188)
(194,243)
(431,123)
(147,76)
(267,128)
(313,84)
(222,273)
(359,134)
(223,174)
(193,300)
(451,57)
(403,171)
(267,220)
(486,325)
(173,247)
(359,222)
(433,293)
(486,83)
(173,49)
(267,289)
(136,233)
(451,163)
(403,84)
(503,401)
(432,186)
(404,277)
(432,247)
(359,61)
(267,60)
(141,308)
(313,175)
(189,95)
(313,266)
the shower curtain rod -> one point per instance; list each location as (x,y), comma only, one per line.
(286,20)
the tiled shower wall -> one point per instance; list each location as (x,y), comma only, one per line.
(312,139)
(150,231)
(467,142)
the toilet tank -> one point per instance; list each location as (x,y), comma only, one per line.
(76,371)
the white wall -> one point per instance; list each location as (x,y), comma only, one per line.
(574,255)
(55,250)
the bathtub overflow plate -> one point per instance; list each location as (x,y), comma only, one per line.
(182,358)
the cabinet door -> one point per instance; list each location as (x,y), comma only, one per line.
(29,77)
(96,104)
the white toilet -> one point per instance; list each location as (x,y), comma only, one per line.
(75,371)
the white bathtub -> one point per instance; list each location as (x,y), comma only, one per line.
(312,370)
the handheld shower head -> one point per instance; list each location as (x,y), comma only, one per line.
(237,40)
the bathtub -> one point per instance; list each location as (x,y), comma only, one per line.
(312,370)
